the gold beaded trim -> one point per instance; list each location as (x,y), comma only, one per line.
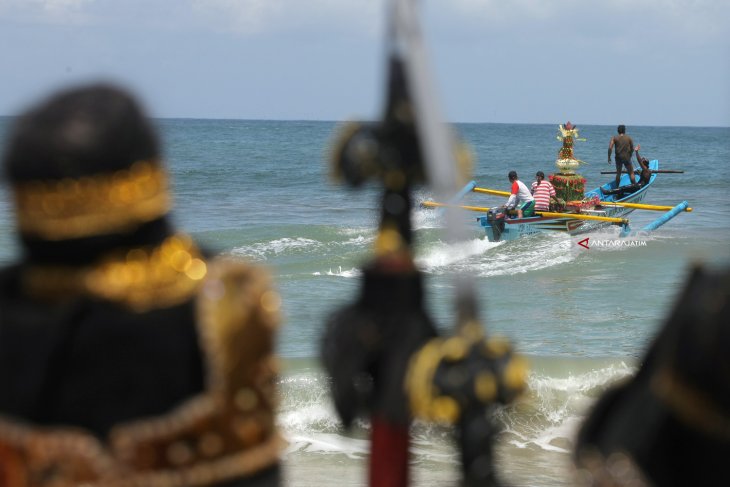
(140,279)
(239,313)
(62,457)
(94,205)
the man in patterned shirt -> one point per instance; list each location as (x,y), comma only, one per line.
(542,191)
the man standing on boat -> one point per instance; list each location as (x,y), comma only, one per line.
(624,150)
(520,198)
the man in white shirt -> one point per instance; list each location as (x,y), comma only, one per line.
(520,198)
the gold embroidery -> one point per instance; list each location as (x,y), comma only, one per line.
(55,457)
(241,314)
(94,205)
(141,279)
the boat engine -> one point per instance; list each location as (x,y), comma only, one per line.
(495,219)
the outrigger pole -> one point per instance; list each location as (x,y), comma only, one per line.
(654,171)
(548,214)
(495,192)
(580,216)
(641,206)
(435,204)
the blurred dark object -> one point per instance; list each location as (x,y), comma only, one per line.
(670,424)
(387,151)
(367,345)
(460,381)
(128,357)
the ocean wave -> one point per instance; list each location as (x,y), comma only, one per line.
(554,407)
(261,250)
(546,418)
(306,405)
(308,418)
(354,237)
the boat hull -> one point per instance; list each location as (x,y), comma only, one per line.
(513,228)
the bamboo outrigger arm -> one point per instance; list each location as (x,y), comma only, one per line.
(655,171)
(579,216)
(435,204)
(641,206)
(548,214)
(495,192)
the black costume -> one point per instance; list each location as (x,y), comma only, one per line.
(670,424)
(127,357)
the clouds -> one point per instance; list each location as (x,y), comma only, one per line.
(247,17)
(510,61)
(693,21)
(235,17)
(46,11)
(244,16)
(690,21)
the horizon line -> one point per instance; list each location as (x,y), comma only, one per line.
(374,120)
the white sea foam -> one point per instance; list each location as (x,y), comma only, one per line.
(484,258)
(262,250)
(356,231)
(358,241)
(559,405)
(308,419)
(353,448)
(424,218)
(307,405)
(339,272)
(443,255)
(526,255)
(546,419)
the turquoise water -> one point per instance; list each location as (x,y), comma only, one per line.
(260,190)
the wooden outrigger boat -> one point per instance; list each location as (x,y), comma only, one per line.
(600,211)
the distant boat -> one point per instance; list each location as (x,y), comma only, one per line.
(594,211)
(499,227)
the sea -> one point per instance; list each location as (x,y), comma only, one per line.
(261,190)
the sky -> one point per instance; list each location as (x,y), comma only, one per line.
(637,62)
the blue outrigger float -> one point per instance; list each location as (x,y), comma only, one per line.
(606,209)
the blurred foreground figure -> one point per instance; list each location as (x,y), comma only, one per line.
(670,425)
(126,357)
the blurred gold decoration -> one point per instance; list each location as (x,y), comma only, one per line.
(93,205)
(140,279)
